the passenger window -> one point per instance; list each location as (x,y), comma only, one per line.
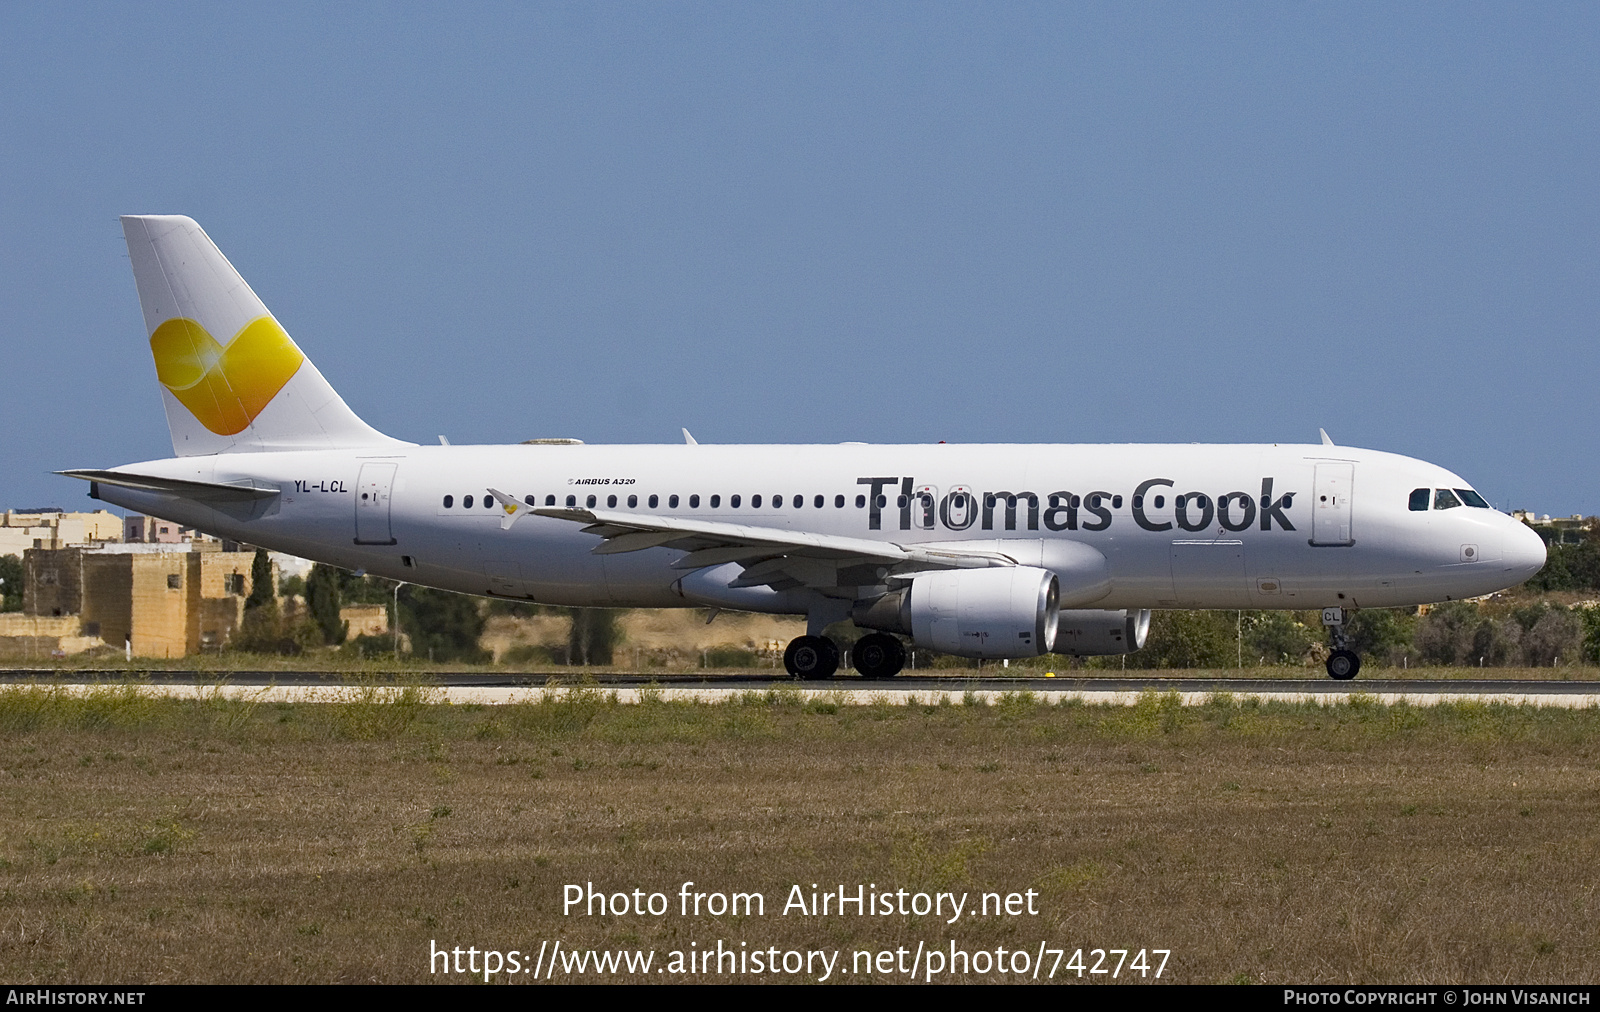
(799,501)
(549,500)
(733,501)
(1472,498)
(838,502)
(819,501)
(861,502)
(755,502)
(589,502)
(488,503)
(449,501)
(1116,502)
(633,502)
(694,502)
(902,501)
(466,502)
(611,502)
(529,499)
(716,501)
(1444,499)
(672,502)
(777,502)
(572,500)
(883,501)
(655,501)
(1419,499)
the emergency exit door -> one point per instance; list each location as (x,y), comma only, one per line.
(1331,506)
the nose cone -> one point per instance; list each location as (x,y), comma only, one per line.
(1524,552)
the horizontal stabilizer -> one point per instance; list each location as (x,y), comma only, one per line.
(200,491)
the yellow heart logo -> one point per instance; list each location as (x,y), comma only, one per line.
(225,388)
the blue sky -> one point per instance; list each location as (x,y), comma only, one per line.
(813,223)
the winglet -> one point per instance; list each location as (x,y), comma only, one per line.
(515,509)
(688,439)
(1325,440)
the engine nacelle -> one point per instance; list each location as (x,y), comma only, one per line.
(1001,612)
(1095,633)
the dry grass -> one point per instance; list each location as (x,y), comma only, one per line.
(154,840)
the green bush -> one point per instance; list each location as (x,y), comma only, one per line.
(443,626)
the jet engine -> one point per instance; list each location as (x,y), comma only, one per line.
(1093,633)
(1001,612)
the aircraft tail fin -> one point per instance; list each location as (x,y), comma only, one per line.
(232,378)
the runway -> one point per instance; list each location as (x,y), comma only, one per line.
(496,688)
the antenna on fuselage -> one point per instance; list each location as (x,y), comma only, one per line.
(1325,440)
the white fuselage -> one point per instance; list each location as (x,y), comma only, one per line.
(1271,526)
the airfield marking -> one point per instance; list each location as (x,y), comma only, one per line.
(498,695)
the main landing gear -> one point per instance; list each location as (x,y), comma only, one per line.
(875,655)
(1343,664)
(878,655)
(811,657)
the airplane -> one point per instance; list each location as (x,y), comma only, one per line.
(982,551)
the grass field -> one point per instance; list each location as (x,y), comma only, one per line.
(152,840)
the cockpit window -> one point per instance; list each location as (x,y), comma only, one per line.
(1444,499)
(1472,498)
(1419,499)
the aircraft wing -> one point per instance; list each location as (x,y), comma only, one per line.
(771,556)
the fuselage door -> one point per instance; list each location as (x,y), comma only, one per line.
(374,487)
(1330,504)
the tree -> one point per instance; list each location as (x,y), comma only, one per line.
(1549,633)
(443,626)
(11,573)
(1445,634)
(1277,637)
(261,588)
(593,637)
(1188,639)
(1380,634)
(322,601)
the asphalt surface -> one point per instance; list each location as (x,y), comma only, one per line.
(905,682)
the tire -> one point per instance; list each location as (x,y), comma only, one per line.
(811,657)
(878,655)
(1343,665)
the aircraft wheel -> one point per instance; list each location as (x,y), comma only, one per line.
(1343,665)
(811,657)
(878,655)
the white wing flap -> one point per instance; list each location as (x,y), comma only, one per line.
(769,555)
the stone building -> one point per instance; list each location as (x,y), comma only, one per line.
(153,599)
(49,527)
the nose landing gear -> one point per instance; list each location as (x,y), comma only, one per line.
(1344,663)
